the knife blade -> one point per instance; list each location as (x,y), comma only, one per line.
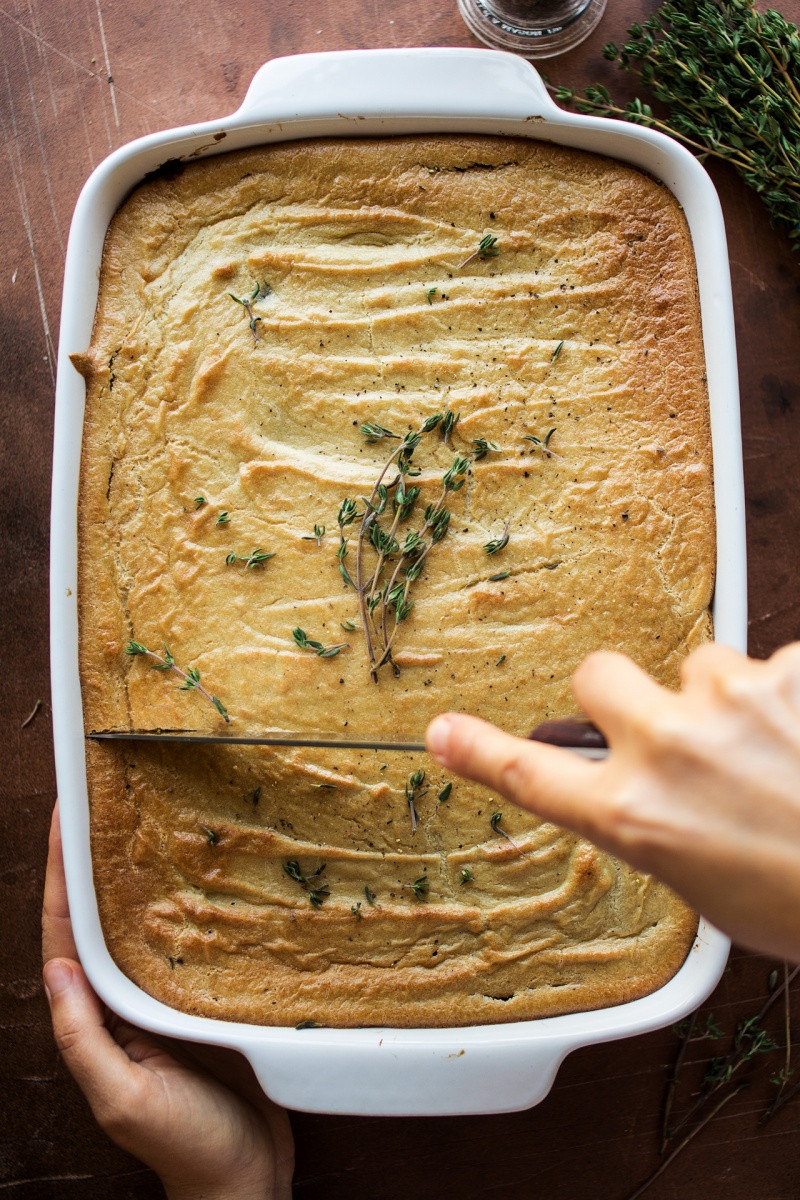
(571,733)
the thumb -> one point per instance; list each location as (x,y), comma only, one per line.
(551,782)
(101,1069)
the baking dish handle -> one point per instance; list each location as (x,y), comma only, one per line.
(368,84)
(404,1073)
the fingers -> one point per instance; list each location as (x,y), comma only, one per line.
(616,694)
(100,1068)
(554,783)
(57,939)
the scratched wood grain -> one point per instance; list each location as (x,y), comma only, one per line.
(81,77)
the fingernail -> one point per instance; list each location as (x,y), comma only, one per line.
(437,737)
(57,977)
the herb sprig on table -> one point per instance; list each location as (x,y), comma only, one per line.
(730,78)
(190,677)
(750,1046)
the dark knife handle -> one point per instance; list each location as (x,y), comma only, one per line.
(574,733)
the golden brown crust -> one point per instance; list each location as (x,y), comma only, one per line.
(611,545)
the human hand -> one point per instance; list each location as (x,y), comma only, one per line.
(701,788)
(195,1115)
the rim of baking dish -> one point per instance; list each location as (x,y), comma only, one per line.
(416,1071)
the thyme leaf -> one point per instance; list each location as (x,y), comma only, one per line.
(494,821)
(304,642)
(259,292)
(375,433)
(542,444)
(487,248)
(317,894)
(316,536)
(256,558)
(420,887)
(482,448)
(498,544)
(415,791)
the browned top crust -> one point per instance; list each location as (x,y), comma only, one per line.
(372,316)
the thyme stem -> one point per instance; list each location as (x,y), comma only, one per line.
(682,1145)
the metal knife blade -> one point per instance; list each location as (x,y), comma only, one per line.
(571,733)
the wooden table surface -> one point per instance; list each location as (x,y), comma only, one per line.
(80,78)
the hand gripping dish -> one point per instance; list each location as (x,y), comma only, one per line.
(478,1069)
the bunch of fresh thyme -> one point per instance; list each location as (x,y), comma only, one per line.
(722,1081)
(728,75)
(384,602)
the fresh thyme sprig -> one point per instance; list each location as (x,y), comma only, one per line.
(728,75)
(375,433)
(260,291)
(316,536)
(381,603)
(223,518)
(494,821)
(199,501)
(415,790)
(420,887)
(431,292)
(542,444)
(316,895)
(487,248)
(256,558)
(750,1043)
(482,448)
(306,643)
(500,543)
(190,677)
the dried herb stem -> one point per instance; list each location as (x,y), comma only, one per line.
(31,715)
(689,1137)
(672,1082)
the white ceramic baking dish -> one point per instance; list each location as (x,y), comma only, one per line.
(398,1072)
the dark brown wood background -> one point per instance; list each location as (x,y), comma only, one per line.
(80,78)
